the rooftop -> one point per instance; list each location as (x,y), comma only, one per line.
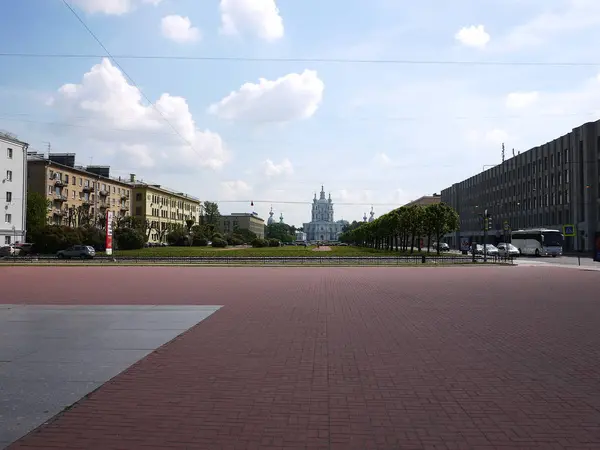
(11,137)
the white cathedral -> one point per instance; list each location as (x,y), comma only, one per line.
(322,226)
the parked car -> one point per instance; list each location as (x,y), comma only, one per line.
(443,246)
(77,251)
(8,250)
(508,249)
(491,250)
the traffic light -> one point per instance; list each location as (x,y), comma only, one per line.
(489,223)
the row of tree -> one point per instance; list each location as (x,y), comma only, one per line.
(404,228)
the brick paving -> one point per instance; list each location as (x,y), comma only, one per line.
(341,358)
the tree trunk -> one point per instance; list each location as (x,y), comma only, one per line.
(429,242)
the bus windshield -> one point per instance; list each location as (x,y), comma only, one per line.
(553,239)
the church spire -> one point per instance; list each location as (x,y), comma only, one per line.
(322,197)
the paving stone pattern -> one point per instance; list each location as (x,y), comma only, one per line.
(343,358)
(52,356)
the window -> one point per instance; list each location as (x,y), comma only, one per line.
(50,189)
(9,197)
(9,175)
(74,180)
(9,153)
(6,240)
(8,218)
(138,197)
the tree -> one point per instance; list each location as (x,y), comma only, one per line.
(445,220)
(280,231)
(129,239)
(211,214)
(403,227)
(37,211)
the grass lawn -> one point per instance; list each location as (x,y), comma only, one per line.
(292,251)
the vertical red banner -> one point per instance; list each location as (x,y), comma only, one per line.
(109,232)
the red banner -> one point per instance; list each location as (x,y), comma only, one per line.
(109,232)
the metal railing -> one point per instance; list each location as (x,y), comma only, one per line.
(270,260)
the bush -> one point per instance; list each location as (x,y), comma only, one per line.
(258,243)
(178,238)
(219,243)
(274,242)
(217,236)
(129,239)
(234,240)
(199,241)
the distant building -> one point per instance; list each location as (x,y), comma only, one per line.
(76,194)
(244,221)
(322,226)
(13,189)
(300,236)
(163,208)
(426,200)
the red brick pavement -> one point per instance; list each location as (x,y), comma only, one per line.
(341,358)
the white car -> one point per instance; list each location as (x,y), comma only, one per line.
(508,250)
(491,250)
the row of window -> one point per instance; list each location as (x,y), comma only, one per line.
(84,182)
(157,199)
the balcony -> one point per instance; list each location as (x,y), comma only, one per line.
(103,193)
(58,212)
(85,202)
(59,183)
(124,196)
(89,189)
(60,197)
(124,207)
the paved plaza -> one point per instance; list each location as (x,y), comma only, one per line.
(299,358)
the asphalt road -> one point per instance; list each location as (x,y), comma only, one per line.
(561,261)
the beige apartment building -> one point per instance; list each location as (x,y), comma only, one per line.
(77,195)
(163,209)
(243,221)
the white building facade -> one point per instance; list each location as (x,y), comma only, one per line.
(323,226)
(13,189)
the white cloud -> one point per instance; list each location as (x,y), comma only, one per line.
(517,100)
(292,97)
(473,36)
(111,7)
(256,17)
(179,29)
(116,116)
(383,160)
(235,190)
(270,169)
(572,15)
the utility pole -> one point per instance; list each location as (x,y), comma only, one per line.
(487,225)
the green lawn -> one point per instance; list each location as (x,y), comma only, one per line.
(166,252)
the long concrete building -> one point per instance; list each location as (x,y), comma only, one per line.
(555,185)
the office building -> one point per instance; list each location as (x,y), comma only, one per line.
(243,221)
(554,185)
(13,189)
(76,195)
(162,208)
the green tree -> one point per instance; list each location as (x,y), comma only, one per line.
(37,211)
(211,214)
(445,220)
(280,231)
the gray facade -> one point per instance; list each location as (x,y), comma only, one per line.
(13,189)
(553,185)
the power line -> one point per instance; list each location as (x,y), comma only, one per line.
(305,60)
(344,118)
(289,202)
(127,75)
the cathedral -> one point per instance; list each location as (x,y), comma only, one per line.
(322,226)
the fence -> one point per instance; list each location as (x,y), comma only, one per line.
(270,260)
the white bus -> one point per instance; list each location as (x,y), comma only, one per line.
(538,242)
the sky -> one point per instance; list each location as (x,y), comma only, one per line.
(379,101)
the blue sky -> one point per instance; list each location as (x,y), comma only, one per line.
(372,133)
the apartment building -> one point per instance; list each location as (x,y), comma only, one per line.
(13,189)
(554,185)
(243,221)
(426,200)
(77,195)
(162,208)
